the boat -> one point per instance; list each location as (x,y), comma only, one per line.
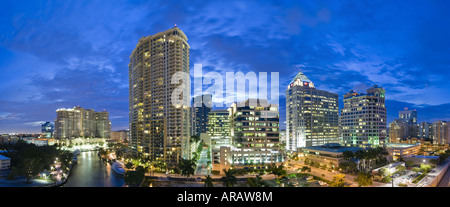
(117,168)
(74,159)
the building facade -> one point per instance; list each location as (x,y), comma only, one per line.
(82,123)
(255,133)
(424,130)
(201,107)
(441,134)
(312,115)
(47,129)
(363,118)
(219,131)
(159,114)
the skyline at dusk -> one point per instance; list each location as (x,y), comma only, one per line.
(76,53)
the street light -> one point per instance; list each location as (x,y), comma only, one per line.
(392,176)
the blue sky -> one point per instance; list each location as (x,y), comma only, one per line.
(57,54)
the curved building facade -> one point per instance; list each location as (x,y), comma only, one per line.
(159,128)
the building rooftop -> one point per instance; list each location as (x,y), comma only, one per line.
(333,147)
(300,76)
(400,145)
(4,158)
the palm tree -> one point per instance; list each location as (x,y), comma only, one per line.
(208,181)
(187,167)
(229,180)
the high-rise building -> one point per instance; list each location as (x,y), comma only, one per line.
(405,127)
(409,116)
(47,129)
(398,131)
(120,136)
(363,118)
(255,133)
(312,115)
(201,107)
(424,130)
(82,123)
(441,132)
(160,128)
(220,133)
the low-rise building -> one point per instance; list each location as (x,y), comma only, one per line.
(397,150)
(329,155)
(5,163)
(422,159)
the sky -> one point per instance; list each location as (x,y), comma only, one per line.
(61,54)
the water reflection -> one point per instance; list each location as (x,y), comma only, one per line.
(92,172)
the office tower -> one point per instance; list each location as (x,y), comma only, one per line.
(159,128)
(201,107)
(47,129)
(82,123)
(255,133)
(441,134)
(220,133)
(363,118)
(424,130)
(312,115)
(405,127)
(398,131)
(409,116)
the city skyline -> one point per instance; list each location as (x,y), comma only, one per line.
(79,53)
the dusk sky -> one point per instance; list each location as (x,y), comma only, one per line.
(61,54)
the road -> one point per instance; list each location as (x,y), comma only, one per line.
(92,172)
(202,163)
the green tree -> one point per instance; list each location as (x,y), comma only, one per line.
(278,170)
(256,182)
(187,167)
(347,155)
(400,168)
(416,169)
(208,181)
(425,168)
(229,180)
(364,179)
(129,165)
(409,163)
(338,180)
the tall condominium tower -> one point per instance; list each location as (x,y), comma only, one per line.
(82,123)
(441,132)
(312,115)
(363,118)
(424,130)
(201,107)
(159,128)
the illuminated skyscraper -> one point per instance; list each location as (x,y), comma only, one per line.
(82,123)
(405,127)
(47,129)
(160,128)
(441,132)
(201,107)
(363,118)
(312,115)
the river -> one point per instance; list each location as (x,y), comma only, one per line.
(92,172)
